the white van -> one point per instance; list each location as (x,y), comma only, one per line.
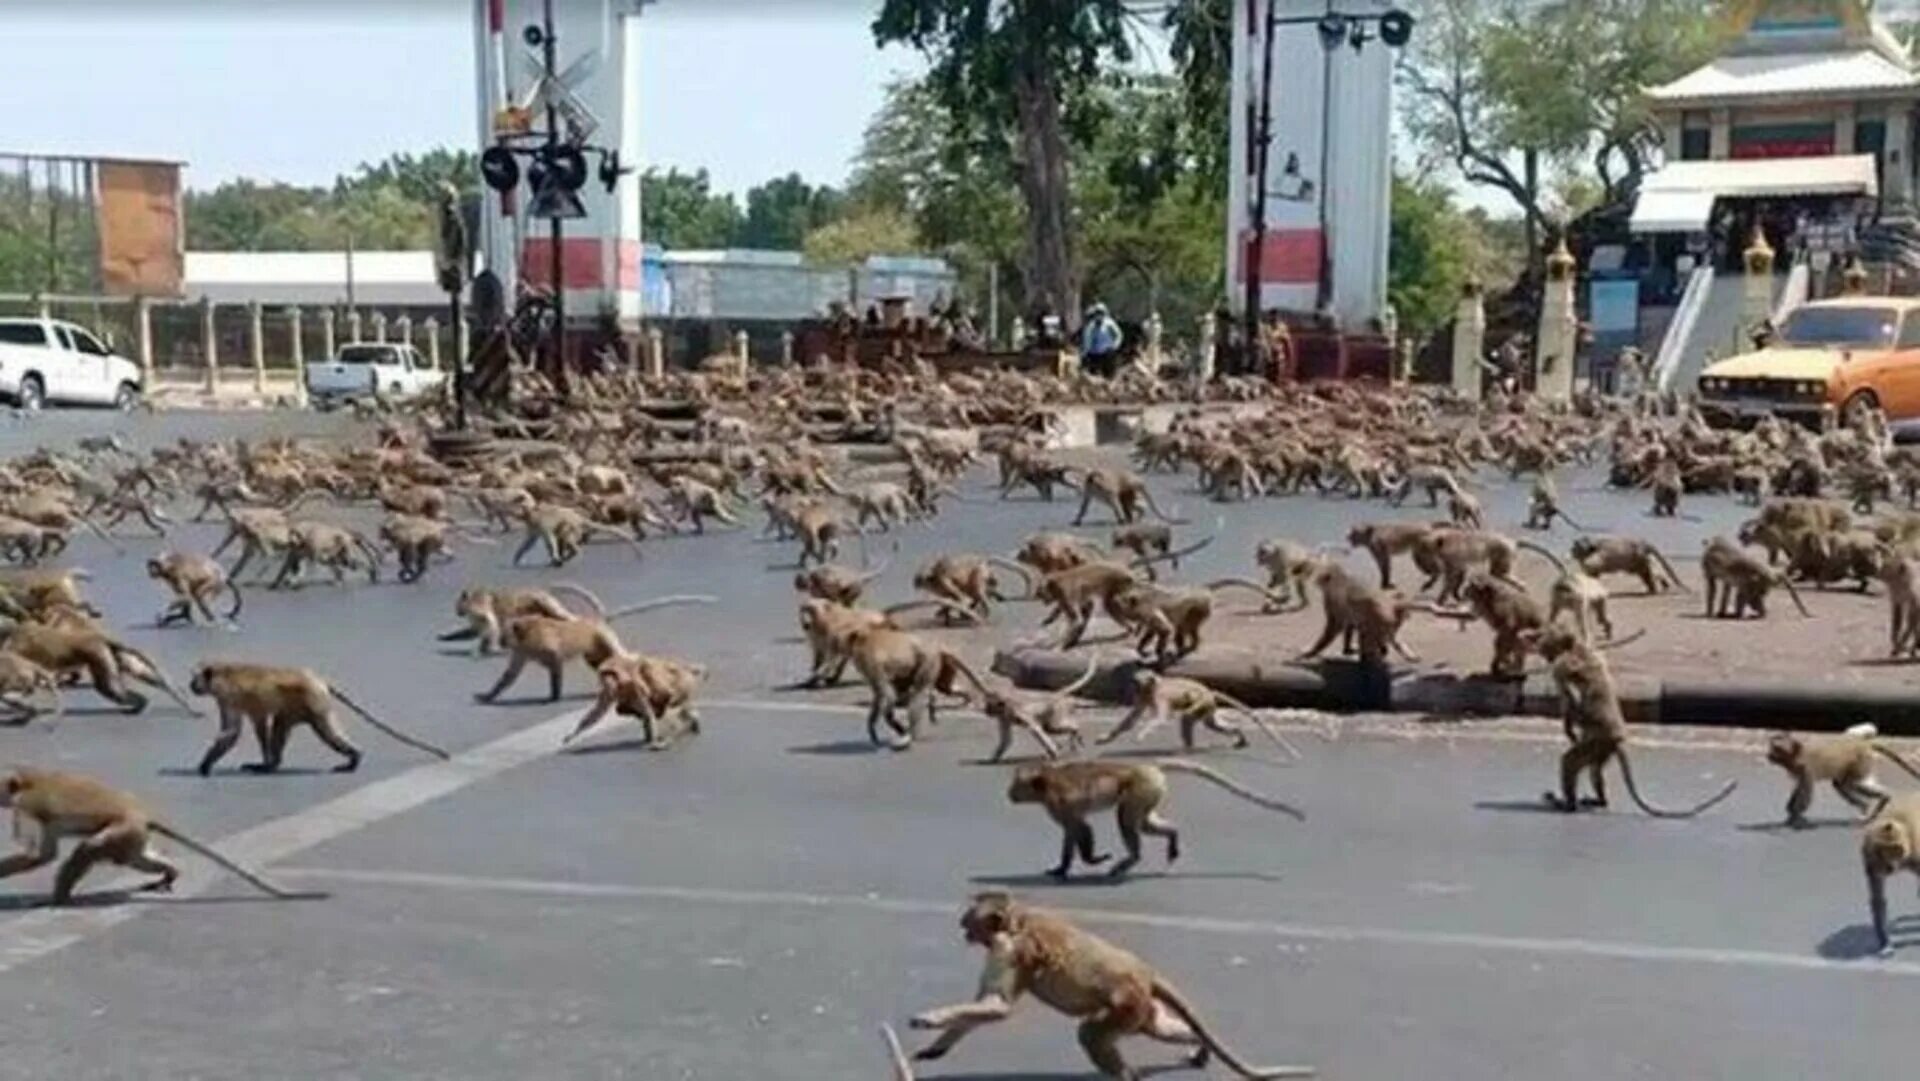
(393,371)
(47,360)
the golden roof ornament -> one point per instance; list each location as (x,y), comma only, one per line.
(1853,280)
(1560,261)
(1759,253)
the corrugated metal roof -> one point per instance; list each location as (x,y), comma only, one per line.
(1785,74)
(319,277)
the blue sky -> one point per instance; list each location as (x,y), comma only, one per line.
(299,91)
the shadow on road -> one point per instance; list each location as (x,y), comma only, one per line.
(838,748)
(233,772)
(1857,942)
(1042,880)
(1780,827)
(1524,806)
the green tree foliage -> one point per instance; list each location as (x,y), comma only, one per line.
(1510,92)
(47,243)
(680,210)
(381,206)
(1427,263)
(1025,66)
(781,212)
(865,231)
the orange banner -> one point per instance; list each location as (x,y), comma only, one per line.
(141,242)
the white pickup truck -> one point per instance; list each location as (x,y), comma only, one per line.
(392,371)
(48,360)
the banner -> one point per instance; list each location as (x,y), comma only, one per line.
(142,246)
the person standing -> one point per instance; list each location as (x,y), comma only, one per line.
(1100,341)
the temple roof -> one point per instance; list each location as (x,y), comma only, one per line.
(1858,71)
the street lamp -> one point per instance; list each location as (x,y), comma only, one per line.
(1393,28)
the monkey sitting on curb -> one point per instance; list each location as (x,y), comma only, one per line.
(1109,990)
(1134,791)
(49,806)
(1844,761)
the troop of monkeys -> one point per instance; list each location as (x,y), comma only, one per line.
(1339,441)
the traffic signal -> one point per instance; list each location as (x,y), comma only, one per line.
(1396,28)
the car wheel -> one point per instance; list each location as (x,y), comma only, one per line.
(33,394)
(1857,405)
(393,391)
(126,398)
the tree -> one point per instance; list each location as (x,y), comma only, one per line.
(1427,264)
(1511,91)
(781,212)
(1024,64)
(863,232)
(678,210)
(417,178)
(1200,42)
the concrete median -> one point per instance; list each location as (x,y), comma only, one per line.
(1345,686)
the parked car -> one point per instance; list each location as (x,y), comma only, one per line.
(396,372)
(47,360)
(1827,359)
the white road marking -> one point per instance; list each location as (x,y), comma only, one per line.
(43,931)
(1370,936)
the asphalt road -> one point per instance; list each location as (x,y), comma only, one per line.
(755,902)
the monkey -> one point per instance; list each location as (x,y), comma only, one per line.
(1890,842)
(49,805)
(336,548)
(275,700)
(1434,480)
(1123,493)
(1582,594)
(22,541)
(195,580)
(1158,698)
(417,541)
(652,689)
(1590,708)
(1044,719)
(125,504)
(901,671)
(104,658)
(841,585)
(1289,566)
(1511,613)
(1146,540)
(1366,620)
(1543,505)
(31,590)
(885,503)
(418,501)
(968,581)
(818,527)
(829,628)
(1844,761)
(1134,791)
(1597,556)
(1740,583)
(1039,472)
(1901,576)
(262,532)
(1384,540)
(1464,509)
(1167,621)
(696,501)
(21,678)
(1049,553)
(1072,593)
(1112,992)
(1453,552)
(1751,484)
(563,530)
(551,643)
(1667,487)
(500,508)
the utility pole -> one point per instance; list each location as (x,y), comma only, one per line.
(1263,141)
(555,263)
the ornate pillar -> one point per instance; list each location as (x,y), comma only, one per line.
(298,354)
(257,345)
(1559,329)
(327,342)
(210,344)
(656,353)
(143,337)
(1209,348)
(1757,304)
(1469,340)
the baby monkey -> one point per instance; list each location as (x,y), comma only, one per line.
(1134,791)
(1844,761)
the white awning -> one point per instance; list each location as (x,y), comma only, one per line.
(1788,75)
(1672,212)
(1679,198)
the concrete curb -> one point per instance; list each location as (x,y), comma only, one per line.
(1342,686)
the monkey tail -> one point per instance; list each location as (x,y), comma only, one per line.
(390,730)
(1154,506)
(1021,569)
(902,1069)
(1893,756)
(253,878)
(1178,553)
(1243,583)
(1668,567)
(660,602)
(966,670)
(1787,584)
(159,675)
(1616,643)
(1626,771)
(1550,556)
(1086,677)
(1293,753)
(1166,994)
(1205,772)
(931,602)
(582,594)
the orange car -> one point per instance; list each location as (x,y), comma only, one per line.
(1828,358)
